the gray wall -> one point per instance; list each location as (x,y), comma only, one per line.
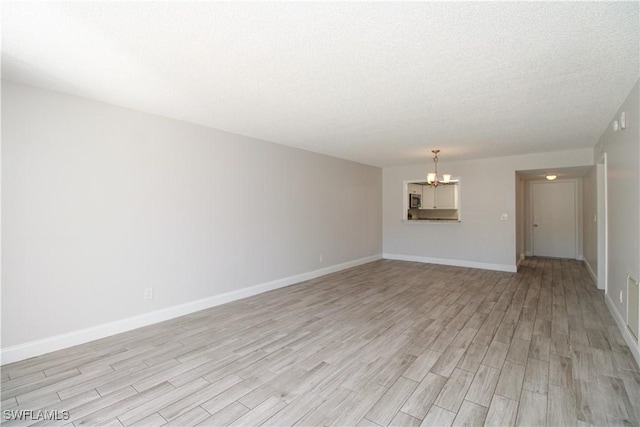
(100,202)
(623,192)
(487,189)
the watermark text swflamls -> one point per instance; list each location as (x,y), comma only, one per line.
(38,415)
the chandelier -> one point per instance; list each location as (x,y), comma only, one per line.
(432,177)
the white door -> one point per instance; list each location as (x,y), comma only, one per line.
(554,219)
(601,219)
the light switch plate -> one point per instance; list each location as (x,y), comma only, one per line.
(504,217)
(623,120)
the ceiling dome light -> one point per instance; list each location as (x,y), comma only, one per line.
(551,177)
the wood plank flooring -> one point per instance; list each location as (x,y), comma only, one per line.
(386,343)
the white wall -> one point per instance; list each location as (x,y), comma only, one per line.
(589,226)
(623,192)
(100,202)
(488,189)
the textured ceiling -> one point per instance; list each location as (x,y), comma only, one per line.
(378,83)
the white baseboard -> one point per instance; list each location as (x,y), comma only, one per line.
(591,273)
(453,262)
(622,325)
(70,339)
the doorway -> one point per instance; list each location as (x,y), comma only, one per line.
(601,218)
(554,232)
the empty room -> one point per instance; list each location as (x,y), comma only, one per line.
(320,213)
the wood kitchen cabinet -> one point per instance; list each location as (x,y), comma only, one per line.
(440,197)
(428,197)
(446,196)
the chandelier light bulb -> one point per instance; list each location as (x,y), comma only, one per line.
(432,177)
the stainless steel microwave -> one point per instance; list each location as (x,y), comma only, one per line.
(415,201)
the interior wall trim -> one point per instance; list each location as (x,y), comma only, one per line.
(82,336)
(591,273)
(454,262)
(622,325)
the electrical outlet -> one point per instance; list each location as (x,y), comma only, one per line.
(620,297)
(148,293)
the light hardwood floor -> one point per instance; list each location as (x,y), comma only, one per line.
(387,343)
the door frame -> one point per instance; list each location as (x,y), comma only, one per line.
(577,222)
(602,224)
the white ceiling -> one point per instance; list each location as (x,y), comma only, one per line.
(378,83)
